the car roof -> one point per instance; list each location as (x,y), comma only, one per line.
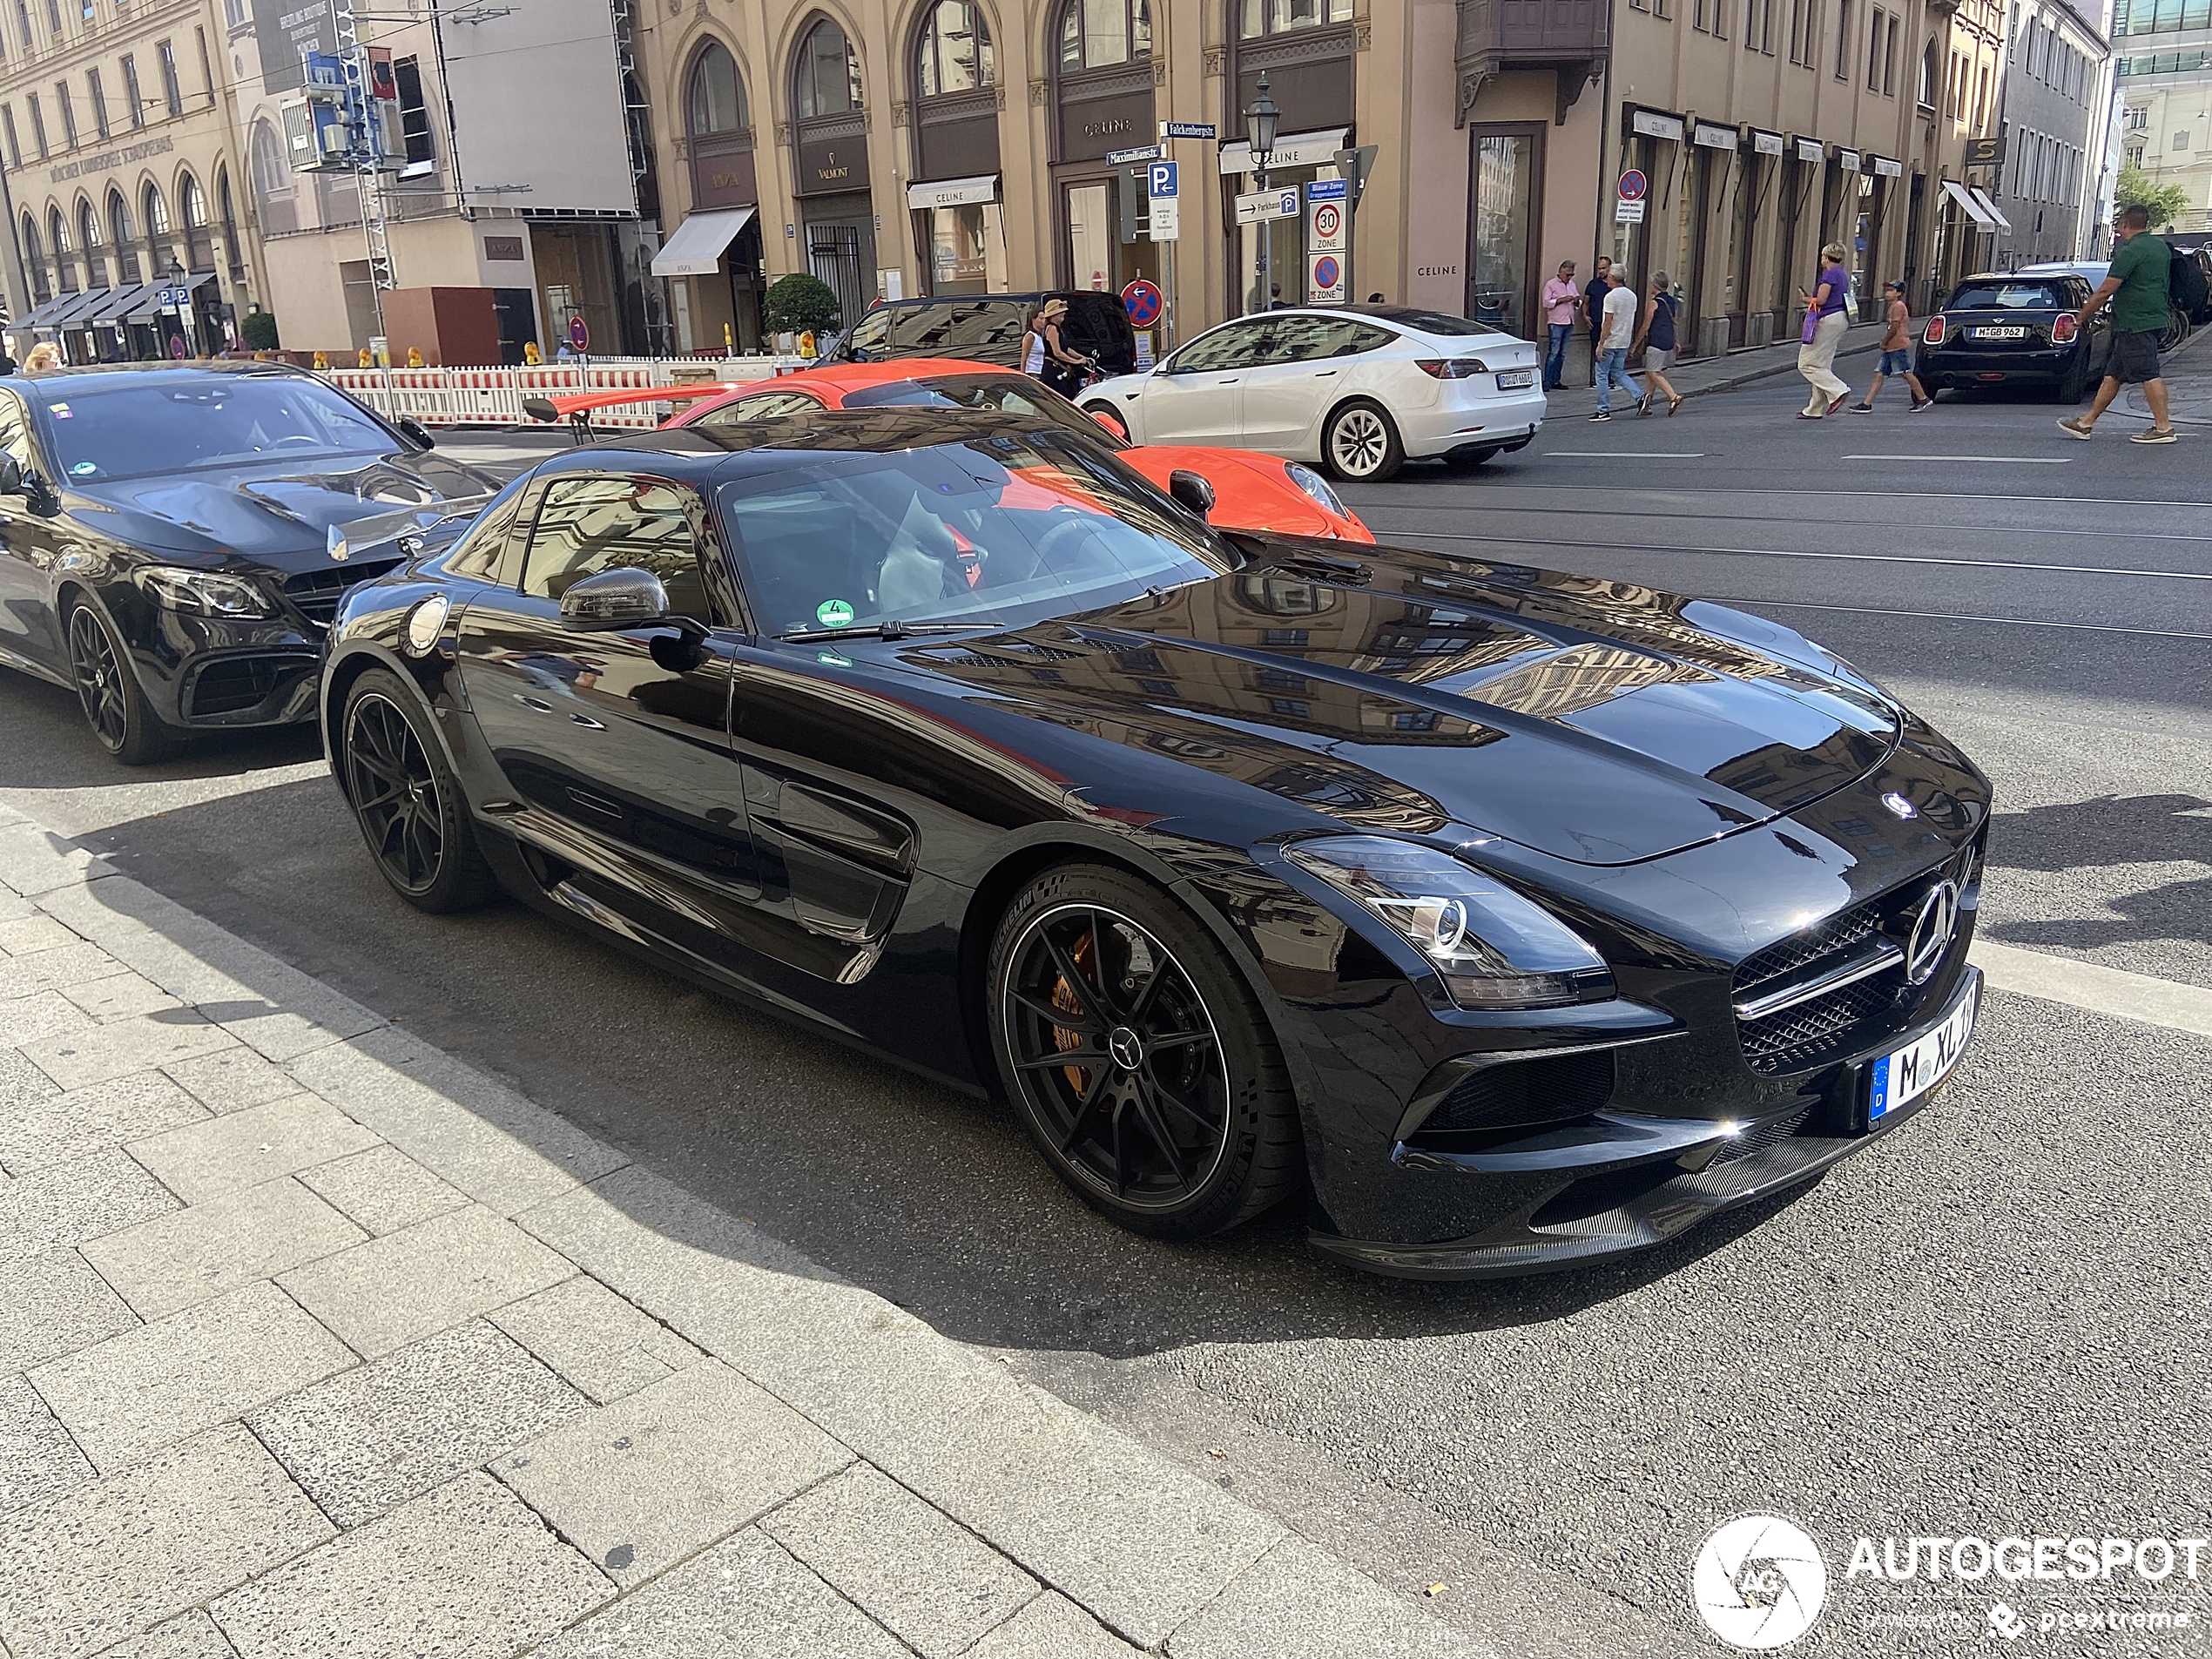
(93,377)
(775,442)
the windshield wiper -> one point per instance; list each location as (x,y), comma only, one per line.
(891,629)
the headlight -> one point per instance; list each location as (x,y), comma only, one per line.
(202,592)
(1317,487)
(1492,947)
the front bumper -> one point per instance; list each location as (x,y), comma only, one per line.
(1621,1183)
(1505,420)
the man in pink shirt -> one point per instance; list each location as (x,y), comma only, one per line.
(1562,310)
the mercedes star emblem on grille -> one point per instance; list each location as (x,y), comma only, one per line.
(1932,927)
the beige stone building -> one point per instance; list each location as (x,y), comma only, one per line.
(122,178)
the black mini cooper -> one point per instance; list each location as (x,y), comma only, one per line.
(2015,330)
(1520,918)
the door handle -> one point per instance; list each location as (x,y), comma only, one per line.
(538,703)
(1323,373)
(586,720)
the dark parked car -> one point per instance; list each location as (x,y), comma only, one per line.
(2016,328)
(169,539)
(1523,917)
(987,328)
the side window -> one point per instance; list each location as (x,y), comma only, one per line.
(593,521)
(15,432)
(1238,346)
(759,407)
(477,552)
(872,333)
(1352,338)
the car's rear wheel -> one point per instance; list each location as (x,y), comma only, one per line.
(1360,444)
(2076,383)
(1109,417)
(114,704)
(1140,1062)
(407,800)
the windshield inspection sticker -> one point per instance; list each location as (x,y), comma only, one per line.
(61,411)
(84,469)
(833,613)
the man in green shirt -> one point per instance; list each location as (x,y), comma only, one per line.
(2138,279)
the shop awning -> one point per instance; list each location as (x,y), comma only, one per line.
(80,315)
(1974,209)
(120,302)
(695,249)
(1292,150)
(40,315)
(954,192)
(147,305)
(1989,205)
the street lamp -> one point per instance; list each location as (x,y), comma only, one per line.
(1262,121)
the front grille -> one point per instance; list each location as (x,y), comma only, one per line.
(315,593)
(1757,1137)
(1523,1094)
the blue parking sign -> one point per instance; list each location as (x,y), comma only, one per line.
(1160,179)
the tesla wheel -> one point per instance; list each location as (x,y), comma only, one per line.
(1360,444)
(115,706)
(407,800)
(1109,417)
(1141,1063)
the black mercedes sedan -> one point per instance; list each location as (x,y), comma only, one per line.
(2016,329)
(1518,918)
(171,541)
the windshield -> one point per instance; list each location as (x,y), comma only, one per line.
(998,530)
(2008,296)
(1014,394)
(221,420)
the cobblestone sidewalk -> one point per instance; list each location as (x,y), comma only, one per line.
(315,1342)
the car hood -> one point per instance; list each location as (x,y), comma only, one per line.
(1591,720)
(273,513)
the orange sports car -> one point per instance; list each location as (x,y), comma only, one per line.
(1250,491)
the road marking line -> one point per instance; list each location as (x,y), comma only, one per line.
(2089,985)
(1993,461)
(1799,553)
(1359,494)
(1622,455)
(1951,615)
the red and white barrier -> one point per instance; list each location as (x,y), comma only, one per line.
(493,396)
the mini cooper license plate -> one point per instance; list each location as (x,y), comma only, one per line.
(1513,379)
(2000,334)
(1898,1079)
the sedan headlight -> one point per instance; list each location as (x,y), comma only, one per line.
(1492,947)
(202,593)
(1316,488)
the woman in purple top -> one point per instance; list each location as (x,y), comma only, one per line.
(1828,320)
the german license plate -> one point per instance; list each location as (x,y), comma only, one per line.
(1513,379)
(1897,1080)
(2000,334)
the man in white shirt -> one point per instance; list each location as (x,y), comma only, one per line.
(1620,327)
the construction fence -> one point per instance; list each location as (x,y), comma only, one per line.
(494,397)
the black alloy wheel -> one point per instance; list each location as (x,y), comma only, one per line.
(408,801)
(114,706)
(1142,1066)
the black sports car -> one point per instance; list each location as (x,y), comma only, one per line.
(171,541)
(1524,918)
(2015,330)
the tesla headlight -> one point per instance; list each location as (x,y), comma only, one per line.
(202,593)
(1316,487)
(1492,947)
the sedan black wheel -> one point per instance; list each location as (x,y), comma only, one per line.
(1360,444)
(1144,1068)
(408,801)
(114,706)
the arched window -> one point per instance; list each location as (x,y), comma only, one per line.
(58,236)
(200,251)
(1258,17)
(42,286)
(954,52)
(1097,34)
(827,75)
(119,235)
(232,250)
(1928,76)
(717,101)
(88,238)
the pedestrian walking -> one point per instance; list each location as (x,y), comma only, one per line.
(1617,329)
(1658,339)
(1825,320)
(2139,286)
(1562,302)
(1593,306)
(1897,353)
(45,356)
(1065,371)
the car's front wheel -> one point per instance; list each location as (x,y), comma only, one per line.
(1360,444)
(114,703)
(407,799)
(1109,417)
(1137,1056)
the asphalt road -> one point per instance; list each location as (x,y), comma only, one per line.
(1992,1322)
